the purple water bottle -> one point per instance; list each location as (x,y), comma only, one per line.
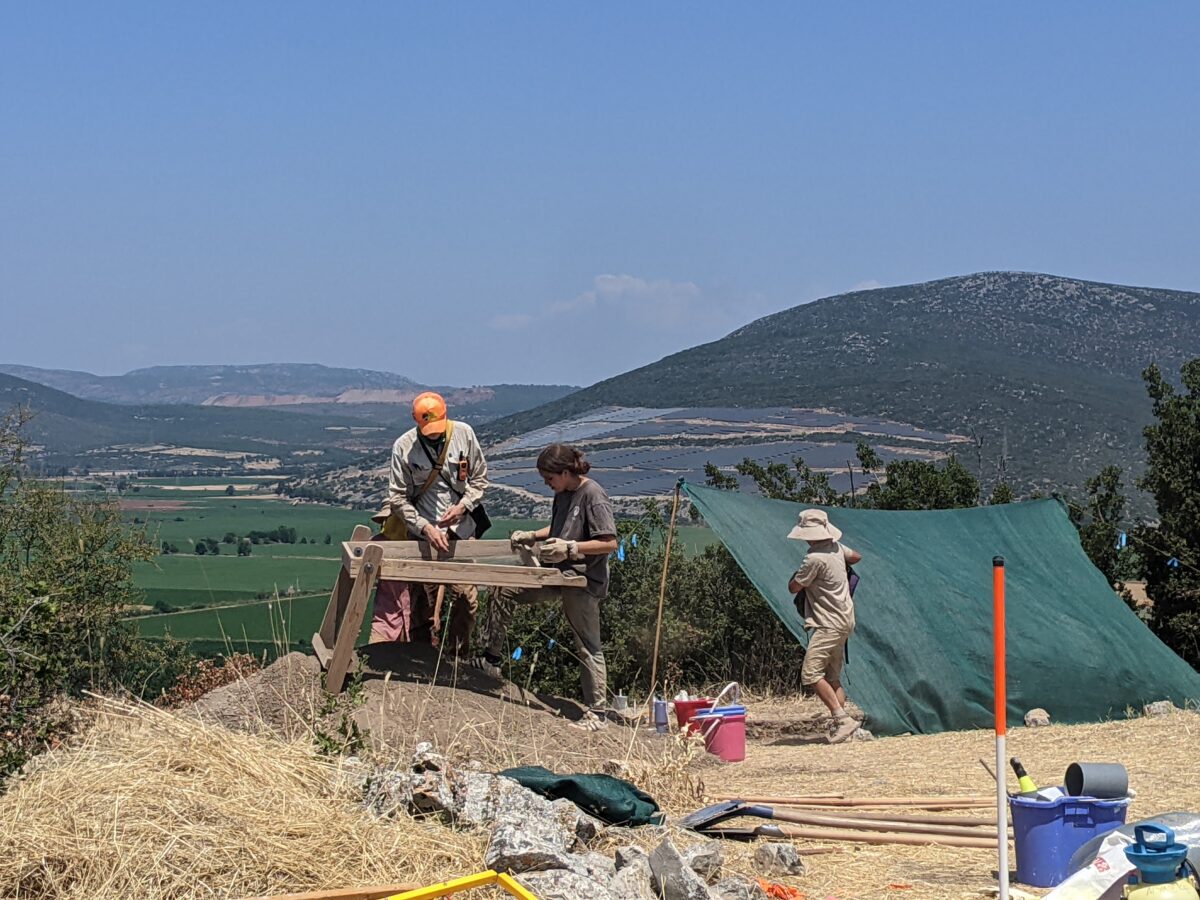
(660,716)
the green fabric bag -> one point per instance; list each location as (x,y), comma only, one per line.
(611,800)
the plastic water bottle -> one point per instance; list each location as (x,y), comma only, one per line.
(660,716)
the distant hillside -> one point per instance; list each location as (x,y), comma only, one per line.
(68,432)
(1044,367)
(291,386)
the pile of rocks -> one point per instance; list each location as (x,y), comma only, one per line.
(548,844)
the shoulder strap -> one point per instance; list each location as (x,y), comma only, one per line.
(439,465)
(436,463)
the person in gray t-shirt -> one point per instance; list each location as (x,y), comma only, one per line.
(581,534)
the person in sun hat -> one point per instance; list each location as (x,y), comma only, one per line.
(828,613)
(438,478)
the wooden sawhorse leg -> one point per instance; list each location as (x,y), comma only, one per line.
(324,640)
(351,624)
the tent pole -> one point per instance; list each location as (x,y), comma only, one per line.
(662,594)
(1001,701)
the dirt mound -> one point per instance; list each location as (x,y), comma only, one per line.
(409,694)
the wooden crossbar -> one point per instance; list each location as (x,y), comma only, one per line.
(366,562)
(450,572)
(459,550)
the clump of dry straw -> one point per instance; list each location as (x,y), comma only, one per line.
(150,803)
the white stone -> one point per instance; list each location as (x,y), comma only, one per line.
(1037,718)
(778,859)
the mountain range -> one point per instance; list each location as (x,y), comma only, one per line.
(270,418)
(1042,372)
(292,386)
(1038,375)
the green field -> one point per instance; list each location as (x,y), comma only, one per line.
(225,591)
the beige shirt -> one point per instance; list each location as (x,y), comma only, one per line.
(826,587)
(410,470)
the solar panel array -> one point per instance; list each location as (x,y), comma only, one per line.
(626,471)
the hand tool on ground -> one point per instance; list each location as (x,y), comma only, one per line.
(861,837)
(928,802)
(721,812)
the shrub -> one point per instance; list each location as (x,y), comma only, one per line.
(65,583)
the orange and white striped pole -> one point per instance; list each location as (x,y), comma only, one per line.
(1000,691)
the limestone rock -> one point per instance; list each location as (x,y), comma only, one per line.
(1159,708)
(631,855)
(633,878)
(521,848)
(476,795)
(738,889)
(386,792)
(426,759)
(705,860)
(566,885)
(431,793)
(481,800)
(862,735)
(1037,718)
(778,859)
(570,816)
(598,866)
(673,878)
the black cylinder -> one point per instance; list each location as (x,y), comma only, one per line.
(1104,781)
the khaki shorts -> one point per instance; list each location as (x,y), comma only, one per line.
(824,657)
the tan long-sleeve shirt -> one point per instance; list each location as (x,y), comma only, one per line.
(410,470)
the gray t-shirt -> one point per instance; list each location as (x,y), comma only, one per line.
(585,514)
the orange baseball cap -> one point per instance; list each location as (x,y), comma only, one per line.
(429,412)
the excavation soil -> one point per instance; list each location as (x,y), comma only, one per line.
(408,693)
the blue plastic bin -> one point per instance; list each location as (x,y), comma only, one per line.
(1047,833)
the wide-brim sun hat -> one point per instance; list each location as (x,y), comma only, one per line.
(384,512)
(429,412)
(814,525)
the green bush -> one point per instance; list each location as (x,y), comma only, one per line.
(65,583)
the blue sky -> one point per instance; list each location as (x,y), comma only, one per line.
(481,192)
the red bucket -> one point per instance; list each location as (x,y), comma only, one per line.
(686,709)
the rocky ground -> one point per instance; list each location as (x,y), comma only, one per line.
(474,726)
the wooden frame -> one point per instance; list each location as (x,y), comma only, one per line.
(366,562)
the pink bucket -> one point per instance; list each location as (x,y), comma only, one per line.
(724,731)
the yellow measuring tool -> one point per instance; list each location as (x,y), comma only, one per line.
(466,883)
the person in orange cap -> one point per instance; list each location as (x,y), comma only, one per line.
(438,478)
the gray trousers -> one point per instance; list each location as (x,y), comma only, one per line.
(583,615)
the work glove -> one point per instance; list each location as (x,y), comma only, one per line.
(556,550)
(520,539)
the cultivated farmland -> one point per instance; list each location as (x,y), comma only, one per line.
(274,597)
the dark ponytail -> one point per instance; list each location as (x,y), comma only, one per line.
(559,458)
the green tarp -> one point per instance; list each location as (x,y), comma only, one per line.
(921,655)
(609,799)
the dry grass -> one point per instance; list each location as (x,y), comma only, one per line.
(1159,753)
(151,804)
